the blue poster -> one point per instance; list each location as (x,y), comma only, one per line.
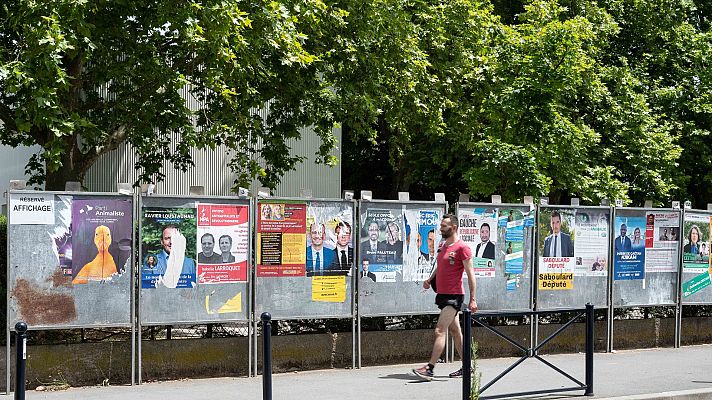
(629,248)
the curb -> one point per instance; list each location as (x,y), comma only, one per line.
(693,394)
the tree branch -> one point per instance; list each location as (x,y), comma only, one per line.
(6,116)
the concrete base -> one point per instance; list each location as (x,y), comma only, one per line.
(110,362)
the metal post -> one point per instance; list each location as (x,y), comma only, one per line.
(267,356)
(20,359)
(467,355)
(589,349)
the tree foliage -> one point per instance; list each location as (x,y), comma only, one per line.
(561,98)
(80,78)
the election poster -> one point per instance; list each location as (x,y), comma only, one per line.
(382,244)
(329,244)
(661,241)
(101,232)
(696,243)
(223,239)
(478,228)
(697,283)
(281,239)
(591,247)
(168,247)
(512,221)
(557,246)
(629,248)
(329,289)
(421,240)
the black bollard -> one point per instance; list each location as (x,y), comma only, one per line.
(267,356)
(467,355)
(20,359)
(589,349)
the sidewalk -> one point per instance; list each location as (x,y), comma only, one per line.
(638,374)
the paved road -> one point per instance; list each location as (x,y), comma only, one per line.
(639,374)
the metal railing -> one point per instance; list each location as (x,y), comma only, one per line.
(528,352)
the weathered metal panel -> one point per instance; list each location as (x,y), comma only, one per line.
(397,289)
(203,302)
(588,261)
(658,283)
(508,286)
(47,259)
(293,296)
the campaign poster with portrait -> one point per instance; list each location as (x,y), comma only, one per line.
(168,247)
(629,248)
(557,249)
(329,249)
(696,243)
(102,232)
(421,240)
(661,241)
(478,228)
(281,239)
(222,243)
(382,244)
(592,241)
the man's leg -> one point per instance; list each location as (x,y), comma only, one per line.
(447,315)
(456,333)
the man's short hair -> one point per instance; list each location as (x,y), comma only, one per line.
(323,227)
(207,234)
(170,226)
(452,218)
(556,214)
(342,224)
(487,225)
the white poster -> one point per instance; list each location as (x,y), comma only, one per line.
(591,246)
(661,242)
(31,209)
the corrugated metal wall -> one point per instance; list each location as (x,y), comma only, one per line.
(212,172)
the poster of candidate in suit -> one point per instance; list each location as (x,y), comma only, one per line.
(168,246)
(478,228)
(382,243)
(557,231)
(329,247)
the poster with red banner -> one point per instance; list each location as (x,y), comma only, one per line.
(281,239)
(223,243)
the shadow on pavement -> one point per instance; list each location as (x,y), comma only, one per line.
(408,377)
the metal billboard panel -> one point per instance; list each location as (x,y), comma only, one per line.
(300,272)
(572,256)
(70,258)
(204,287)
(501,235)
(645,256)
(396,255)
(696,288)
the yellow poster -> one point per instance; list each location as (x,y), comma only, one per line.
(329,288)
(556,281)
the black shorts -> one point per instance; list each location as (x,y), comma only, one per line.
(444,300)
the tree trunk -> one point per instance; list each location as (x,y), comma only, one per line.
(74,167)
(57,180)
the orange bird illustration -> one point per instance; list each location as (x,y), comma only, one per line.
(103,265)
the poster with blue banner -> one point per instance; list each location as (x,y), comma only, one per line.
(629,248)
(513,222)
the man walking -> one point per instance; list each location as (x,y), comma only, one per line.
(453,257)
